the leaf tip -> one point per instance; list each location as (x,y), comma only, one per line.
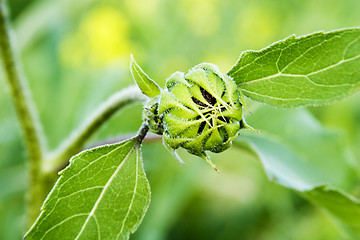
(132,60)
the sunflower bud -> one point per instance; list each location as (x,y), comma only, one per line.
(200,111)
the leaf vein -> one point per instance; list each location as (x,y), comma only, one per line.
(309,49)
(73,193)
(62,184)
(104,190)
(92,162)
(55,226)
(307,75)
(133,196)
(347,47)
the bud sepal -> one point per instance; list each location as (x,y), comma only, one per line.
(147,86)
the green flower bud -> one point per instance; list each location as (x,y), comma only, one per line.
(151,116)
(200,111)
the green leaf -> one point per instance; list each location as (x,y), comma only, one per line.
(343,207)
(103,194)
(301,143)
(146,84)
(297,71)
(298,153)
(288,169)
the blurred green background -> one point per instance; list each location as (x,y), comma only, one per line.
(76,54)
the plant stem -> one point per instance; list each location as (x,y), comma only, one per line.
(27,114)
(142,132)
(58,158)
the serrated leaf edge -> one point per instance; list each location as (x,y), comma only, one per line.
(283,40)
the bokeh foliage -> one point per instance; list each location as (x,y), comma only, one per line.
(76,54)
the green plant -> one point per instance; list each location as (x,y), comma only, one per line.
(104,191)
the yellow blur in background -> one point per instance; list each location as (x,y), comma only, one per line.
(101,37)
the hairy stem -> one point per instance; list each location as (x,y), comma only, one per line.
(142,132)
(78,138)
(25,109)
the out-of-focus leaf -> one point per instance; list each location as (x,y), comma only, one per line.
(299,132)
(307,158)
(283,166)
(103,194)
(288,169)
(12,181)
(308,70)
(345,208)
